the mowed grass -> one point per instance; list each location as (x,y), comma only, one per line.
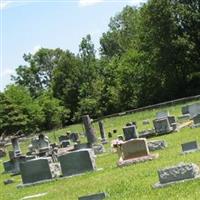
(128,183)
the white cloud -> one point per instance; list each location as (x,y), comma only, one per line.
(35,49)
(4,4)
(89,2)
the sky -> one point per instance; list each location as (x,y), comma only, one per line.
(28,25)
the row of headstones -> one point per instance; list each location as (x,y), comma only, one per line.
(137,150)
(69,164)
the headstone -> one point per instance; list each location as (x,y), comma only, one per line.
(134,151)
(190,147)
(74,137)
(65,143)
(134,148)
(102,132)
(8,166)
(43,142)
(185,110)
(171,119)
(174,174)
(98,196)
(156,145)
(35,170)
(109,135)
(130,132)
(162,126)
(162,114)
(16,147)
(196,119)
(91,138)
(77,162)
(192,109)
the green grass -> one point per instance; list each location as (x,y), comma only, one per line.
(128,183)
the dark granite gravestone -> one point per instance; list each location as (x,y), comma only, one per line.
(185,110)
(77,162)
(98,196)
(190,146)
(130,132)
(35,170)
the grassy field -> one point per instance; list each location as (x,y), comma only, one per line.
(128,183)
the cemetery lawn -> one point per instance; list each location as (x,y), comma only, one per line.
(128,183)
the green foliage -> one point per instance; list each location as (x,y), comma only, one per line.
(149,54)
(54,113)
(12,119)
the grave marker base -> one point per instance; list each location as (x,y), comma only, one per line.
(162,185)
(122,163)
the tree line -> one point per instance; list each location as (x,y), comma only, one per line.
(148,55)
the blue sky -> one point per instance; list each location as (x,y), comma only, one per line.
(29,25)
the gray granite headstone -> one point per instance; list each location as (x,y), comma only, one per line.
(77,162)
(130,132)
(90,133)
(190,146)
(102,131)
(35,170)
(177,173)
(16,147)
(98,196)
(8,166)
(194,109)
(162,126)
(162,114)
